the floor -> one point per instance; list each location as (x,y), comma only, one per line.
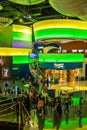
(69,121)
(74,120)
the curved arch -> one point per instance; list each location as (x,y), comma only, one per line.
(60,28)
(52,44)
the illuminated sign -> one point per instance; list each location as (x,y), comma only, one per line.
(61,58)
(33,55)
(59,66)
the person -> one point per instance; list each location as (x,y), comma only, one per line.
(66,103)
(27,103)
(58,105)
(41,121)
(6,87)
(80,119)
(41,112)
(41,105)
(67,117)
(57,113)
(0,89)
(80,103)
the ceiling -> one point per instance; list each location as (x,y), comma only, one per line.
(28,12)
(73,8)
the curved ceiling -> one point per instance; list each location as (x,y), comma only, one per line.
(27,12)
(27,2)
(73,8)
(60,28)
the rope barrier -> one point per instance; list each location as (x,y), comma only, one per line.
(29,115)
(7,114)
(8,107)
(26,110)
(6,104)
(19,118)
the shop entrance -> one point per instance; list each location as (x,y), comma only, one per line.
(61,76)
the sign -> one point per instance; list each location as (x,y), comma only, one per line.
(60,66)
(33,55)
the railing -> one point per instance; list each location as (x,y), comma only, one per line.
(40,71)
(35,72)
(13,115)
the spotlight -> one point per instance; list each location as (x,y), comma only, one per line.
(21,20)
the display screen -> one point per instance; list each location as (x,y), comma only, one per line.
(5,72)
(33,55)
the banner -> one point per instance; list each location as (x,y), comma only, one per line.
(60,66)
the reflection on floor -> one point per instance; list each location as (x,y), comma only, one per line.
(74,120)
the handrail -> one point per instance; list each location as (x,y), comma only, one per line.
(40,71)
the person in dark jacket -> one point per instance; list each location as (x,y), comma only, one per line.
(58,113)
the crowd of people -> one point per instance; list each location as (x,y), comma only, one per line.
(42,105)
(45,105)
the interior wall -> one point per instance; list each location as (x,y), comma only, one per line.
(6,41)
(73,45)
(6,37)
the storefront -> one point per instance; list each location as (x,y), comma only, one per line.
(61,68)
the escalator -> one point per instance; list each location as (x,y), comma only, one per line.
(36,72)
(40,71)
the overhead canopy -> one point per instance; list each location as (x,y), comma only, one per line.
(73,8)
(60,28)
